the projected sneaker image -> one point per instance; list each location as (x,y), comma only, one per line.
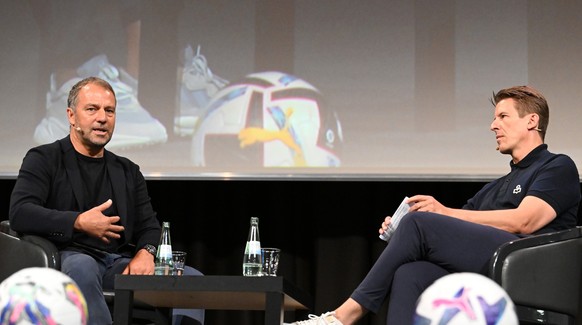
(134,128)
(196,87)
(269,119)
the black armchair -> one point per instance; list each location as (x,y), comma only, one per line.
(21,251)
(543,276)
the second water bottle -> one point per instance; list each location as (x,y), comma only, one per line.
(252,259)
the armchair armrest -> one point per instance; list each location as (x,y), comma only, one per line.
(18,251)
(22,251)
(542,272)
(5,228)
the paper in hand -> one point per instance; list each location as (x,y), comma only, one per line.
(402,210)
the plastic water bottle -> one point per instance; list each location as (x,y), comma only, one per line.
(164,262)
(252,258)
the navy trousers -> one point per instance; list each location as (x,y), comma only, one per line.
(425,247)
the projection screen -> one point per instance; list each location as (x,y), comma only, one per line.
(292,89)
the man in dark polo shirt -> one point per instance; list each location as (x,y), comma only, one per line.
(540,194)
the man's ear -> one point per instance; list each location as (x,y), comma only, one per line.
(71,116)
(534,121)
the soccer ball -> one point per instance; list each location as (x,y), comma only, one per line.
(465,299)
(40,295)
(269,119)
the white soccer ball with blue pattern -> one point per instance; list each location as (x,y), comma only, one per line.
(39,295)
(465,299)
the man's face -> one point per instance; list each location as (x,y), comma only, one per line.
(509,128)
(93,120)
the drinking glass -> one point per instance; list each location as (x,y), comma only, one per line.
(179,258)
(270,261)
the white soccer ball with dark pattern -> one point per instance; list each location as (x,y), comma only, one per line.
(268,119)
(40,295)
(465,299)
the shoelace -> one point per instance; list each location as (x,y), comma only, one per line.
(313,317)
(310,316)
(197,69)
(123,92)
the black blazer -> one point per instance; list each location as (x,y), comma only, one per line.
(48,194)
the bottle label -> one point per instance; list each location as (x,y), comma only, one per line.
(165,251)
(253,247)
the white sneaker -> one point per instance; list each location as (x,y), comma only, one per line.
(198,85)
(325,319)
(134,126)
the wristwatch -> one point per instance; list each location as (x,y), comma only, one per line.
(151,249)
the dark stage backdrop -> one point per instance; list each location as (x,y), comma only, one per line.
(366,89)
(326,230)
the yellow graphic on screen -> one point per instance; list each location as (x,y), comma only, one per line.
(285,134)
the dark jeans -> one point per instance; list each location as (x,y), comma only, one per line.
(93,273)
(425,247)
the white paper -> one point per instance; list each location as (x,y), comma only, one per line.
(402,210)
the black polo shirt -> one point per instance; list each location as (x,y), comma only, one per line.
(551,177)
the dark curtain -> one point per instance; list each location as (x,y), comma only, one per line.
(326,229)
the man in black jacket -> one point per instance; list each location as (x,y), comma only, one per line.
(90,202)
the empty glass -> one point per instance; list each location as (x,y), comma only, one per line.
(270,261)
(179,258)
